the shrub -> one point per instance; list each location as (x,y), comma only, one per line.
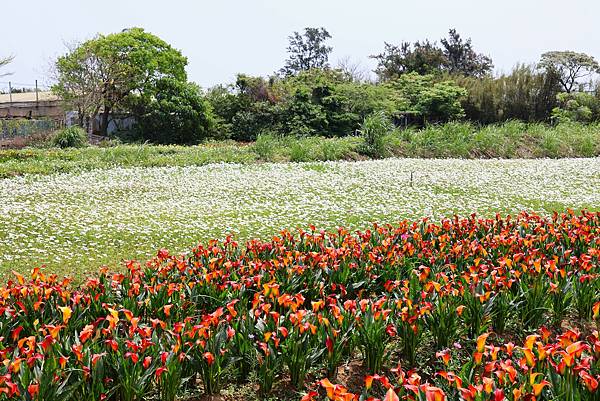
(70,137)
(265,146)
(524,94)
(176,114)
(373,130)
(579,106)
(425,97)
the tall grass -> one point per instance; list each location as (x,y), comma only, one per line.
(513,139)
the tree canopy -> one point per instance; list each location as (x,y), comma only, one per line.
(175,112)
(462,59)
(100,74)
(307,51)
(420,57)
(569,66)
(455,56)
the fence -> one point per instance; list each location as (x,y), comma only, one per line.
(10,129)
(10,88)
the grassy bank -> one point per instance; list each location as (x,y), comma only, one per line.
(454,140)
(510,140)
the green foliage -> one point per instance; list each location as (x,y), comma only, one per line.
(373,338)
(265,146)
(456,57)
(307,51)
(433,101)
(247,108)
(525,94)
(423,58)
(101,74)
(442,322)
(175,113)
(373,131)
(325,102)
(576,106)
(314,102)
(462,58)
(71,137)
(569,66)
(301,116)
(301,352)
(532,302)
(512,139)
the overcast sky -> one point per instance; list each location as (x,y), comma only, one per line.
(224,37)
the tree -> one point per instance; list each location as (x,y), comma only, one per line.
(456,57)
(420,57)
(5,61)
(174,113)
(461,59)
(433,101)
(99,75)
(569,66)
(353,70)
(79,80)
(307,51)
(526,94)
(576,106)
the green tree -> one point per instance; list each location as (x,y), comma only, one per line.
(569,66)
(456,56)
(256,106)
(432,100)
(332,103)
(99,75)
(174,113)
(462,59)
(420,57)
(526,94)
(307,51)
(576,106)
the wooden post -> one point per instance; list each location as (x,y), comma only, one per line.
(37,99)
(9,93)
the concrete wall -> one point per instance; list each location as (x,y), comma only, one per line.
(115,123)
(42,109)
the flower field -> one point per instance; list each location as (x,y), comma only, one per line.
(75,222)
(499,308)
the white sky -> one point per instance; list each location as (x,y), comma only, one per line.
(224,37)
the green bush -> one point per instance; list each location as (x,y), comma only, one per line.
(429,99)
(265,146)
(300,151)
(70,137)
(373,130)
(577,106)
(524,94)
(176,114)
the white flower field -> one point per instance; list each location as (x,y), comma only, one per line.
(75,222)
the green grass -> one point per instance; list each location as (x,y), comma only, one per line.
(453,140)
(53,160)
(513,139)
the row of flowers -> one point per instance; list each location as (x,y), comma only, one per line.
(419,304)
(565,367)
